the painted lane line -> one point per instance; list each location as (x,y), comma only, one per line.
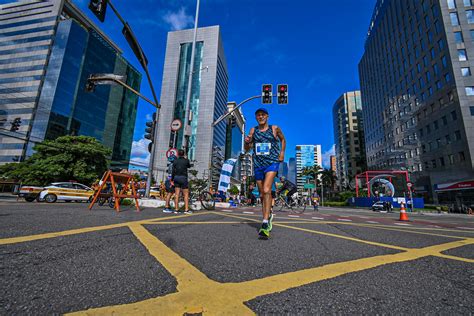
(435,226)
(466,227)
(228,211)
(320,218)
(365,217)
(248,212)
(344,220)
(372,222)
(402,224)
(293,216)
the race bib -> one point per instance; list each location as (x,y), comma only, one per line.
(262,149)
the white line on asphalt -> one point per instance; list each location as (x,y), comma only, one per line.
(344,219)
(466,227)
(402,224)
(229,211)
(248,212)
(372,222)
(293,216)
(435,226)
(317,218)
(363,217)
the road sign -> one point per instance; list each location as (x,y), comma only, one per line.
(176,125)
(244,178)
(409,184)
(171,152)
(309,186)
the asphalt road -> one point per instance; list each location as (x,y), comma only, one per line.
(62,258)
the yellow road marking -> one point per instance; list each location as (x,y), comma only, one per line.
(14,240)
(199,294)
(330,235)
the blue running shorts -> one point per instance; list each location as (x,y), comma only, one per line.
(260,172)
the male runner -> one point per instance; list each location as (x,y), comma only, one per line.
(180,178)
(265,141)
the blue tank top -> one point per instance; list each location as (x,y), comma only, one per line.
(266,147)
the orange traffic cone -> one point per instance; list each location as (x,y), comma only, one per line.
(403,213)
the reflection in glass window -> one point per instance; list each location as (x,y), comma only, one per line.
(451,4)
(466,71)
(470,16)
(458,37)
(467,3)
(462,54)
(469,90)
(454,19)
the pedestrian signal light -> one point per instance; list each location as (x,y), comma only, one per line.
(267,94)
(282,94)
(150,130)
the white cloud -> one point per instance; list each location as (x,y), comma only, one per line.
(326,156)
(140,152)
(148,117)
(142,162)
(179,20)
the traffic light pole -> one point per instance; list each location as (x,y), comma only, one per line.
(143,61)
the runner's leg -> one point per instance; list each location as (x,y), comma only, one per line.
(186,199)
(267,194)
(260,189)
(176,198)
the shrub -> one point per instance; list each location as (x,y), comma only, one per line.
(335,204)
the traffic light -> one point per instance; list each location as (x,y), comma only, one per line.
(98,7)
(233,121)
(267,94)
(150,131)
(15,124)
(282,94)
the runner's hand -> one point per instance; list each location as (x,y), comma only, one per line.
(248,139)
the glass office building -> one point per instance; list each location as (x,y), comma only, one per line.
(349,138)
(416,85)
(208,100)
(57,103)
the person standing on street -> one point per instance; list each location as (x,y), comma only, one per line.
(179,176)
(268,144)
(169,187)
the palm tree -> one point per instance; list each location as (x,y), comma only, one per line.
(328,178)
(314,172)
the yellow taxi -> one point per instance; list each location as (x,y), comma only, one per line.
(155,193)
(29,193)
(66,191)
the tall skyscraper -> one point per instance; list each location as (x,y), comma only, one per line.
(208,98)
(418,92)
(283,170)
(292,170)
(306,156)
(47,52)
(348,137)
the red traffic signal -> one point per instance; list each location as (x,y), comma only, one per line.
(282,94)
(267,94)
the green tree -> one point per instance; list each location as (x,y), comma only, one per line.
(234,190)
(79,158)
(314,172)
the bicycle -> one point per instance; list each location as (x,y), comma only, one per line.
(298,205)
(199,194)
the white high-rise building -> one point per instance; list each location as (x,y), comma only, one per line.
(306,156)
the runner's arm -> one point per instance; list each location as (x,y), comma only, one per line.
(248,145)
(280,135)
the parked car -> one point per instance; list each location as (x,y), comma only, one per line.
(29,193)
(66,191)
(155,193)
(378,206)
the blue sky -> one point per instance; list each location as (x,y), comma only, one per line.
(313,46)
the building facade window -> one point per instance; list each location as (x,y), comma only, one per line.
(454,18)
(451,4)
(470,16)
(466,71)
(462,54)
(469,90)
(458,37)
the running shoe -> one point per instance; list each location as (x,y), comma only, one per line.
(270,222)
(188,212)
(167,210)
(264,232)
